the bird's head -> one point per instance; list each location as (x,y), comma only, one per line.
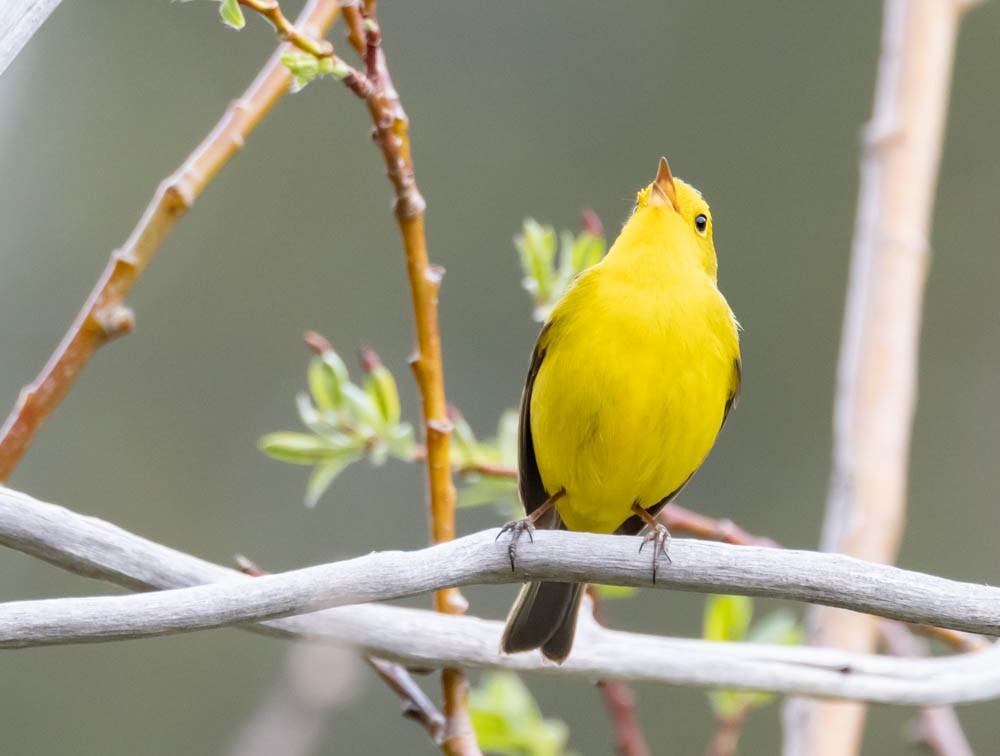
(680,212)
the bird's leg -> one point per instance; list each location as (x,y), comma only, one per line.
(527,524)
(658,534)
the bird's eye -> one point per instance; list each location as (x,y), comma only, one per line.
(701,222)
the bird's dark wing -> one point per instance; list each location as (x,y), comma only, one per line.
(529,479)
(634,524)
(734,394)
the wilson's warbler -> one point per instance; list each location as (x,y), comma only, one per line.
(630,382)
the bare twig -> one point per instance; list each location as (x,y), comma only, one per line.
(416,705)
(876,380)
(619,700)
(391,129)
(92,547)
(105,315)
(287,31)
(681,520)
(726,737)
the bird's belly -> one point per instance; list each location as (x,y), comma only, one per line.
(628,424)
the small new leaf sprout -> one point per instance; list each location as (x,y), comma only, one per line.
(507,719)
(303,67)
(727,618)
(232,14)
(474,458)
(545,276)
(345,421)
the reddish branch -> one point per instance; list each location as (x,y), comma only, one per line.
(726,738)
(620,701)
(105,315)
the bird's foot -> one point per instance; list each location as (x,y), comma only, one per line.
(660,538)
(516,528)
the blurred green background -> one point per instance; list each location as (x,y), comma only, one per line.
(517,109)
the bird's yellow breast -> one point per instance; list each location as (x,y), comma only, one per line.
(632,388)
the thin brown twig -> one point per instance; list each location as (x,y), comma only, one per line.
(105,315)
(620,701)
(287,31)
(392,136)
(681,520)
(416,705)
(726,738)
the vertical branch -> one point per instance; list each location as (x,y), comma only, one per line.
(104,315)
(391,127)
(619,697)
(876,380)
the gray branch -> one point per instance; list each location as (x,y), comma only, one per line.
(92,547)
(19,20)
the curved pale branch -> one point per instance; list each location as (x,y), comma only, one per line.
(96,548)
(19,20)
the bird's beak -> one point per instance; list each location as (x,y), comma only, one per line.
(664,194)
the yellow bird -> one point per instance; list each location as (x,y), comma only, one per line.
(630,382)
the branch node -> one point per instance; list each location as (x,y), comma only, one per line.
(114,321)
(434,275)
(440,426)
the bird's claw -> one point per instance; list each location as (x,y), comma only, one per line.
(516,528)
(660,538)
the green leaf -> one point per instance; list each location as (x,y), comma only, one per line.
(585,251)
(304,448)
(232,14)
(481,490)
(320,423)
(381,387)
(401,442)
(507,720)
(727,618)
(615,591)
(537,247)
(327,375)
(728,703)
(362,407)
(507,430)
(465,447)
(323,475)
(778,628)
(303,67)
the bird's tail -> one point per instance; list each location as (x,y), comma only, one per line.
(544,616)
